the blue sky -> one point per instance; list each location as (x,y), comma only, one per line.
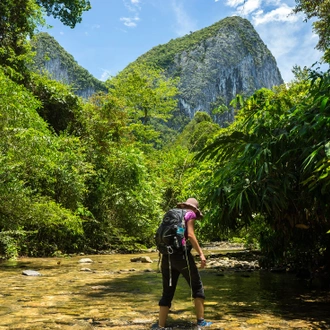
(115,32)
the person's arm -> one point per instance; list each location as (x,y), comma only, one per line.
(194,242)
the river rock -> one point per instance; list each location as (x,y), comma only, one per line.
(85,261)
(142,259)
(85,270)
(223,263)
(148,270)
(99,287)
(30,272)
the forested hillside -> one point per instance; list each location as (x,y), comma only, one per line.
(90,175)
(51,58)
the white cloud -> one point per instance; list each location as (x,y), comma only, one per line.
(234,3)
(106,74)
(281,14)
(280,38)
(301,53)
(132,6)
(291,43)
(263,11)
(184,24)
(249,7)
(130,21)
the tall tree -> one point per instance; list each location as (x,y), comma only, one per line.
(18,21)
(68,11)
(148,96)
(318,9)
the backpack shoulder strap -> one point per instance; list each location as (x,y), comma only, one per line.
(183,213)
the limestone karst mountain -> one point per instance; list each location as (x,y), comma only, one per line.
(217,63)
(214,65)
(61,66)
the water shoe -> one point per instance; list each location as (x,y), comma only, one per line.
(156,327)
(203,323)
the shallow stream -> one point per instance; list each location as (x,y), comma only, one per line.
(115,293)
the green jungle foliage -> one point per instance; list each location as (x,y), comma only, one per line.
(60,106)
(19,20)
(86,173)
(98,175)
(273,164)
(148,98)
(68,11)
(42,177)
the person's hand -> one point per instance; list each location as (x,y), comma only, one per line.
(203,260)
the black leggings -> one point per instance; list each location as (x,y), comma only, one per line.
(171,273)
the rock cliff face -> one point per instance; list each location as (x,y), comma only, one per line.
(61,66)
(217,63)
(214,65)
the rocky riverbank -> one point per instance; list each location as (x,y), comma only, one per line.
(233,257)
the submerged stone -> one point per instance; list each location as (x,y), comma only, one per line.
(85,270)
(29,272)
(85,261)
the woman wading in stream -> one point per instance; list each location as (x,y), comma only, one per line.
(172,265)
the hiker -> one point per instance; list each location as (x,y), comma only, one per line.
(172,265)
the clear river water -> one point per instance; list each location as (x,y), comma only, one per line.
(115,293)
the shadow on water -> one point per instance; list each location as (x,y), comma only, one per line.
(250,297)
(115,293)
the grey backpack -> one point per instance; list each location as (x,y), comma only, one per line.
(169,236)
